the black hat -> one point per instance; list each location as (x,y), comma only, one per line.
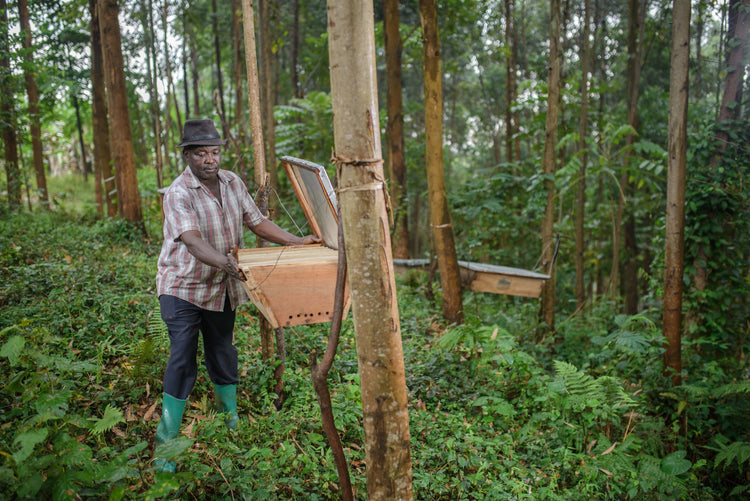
(200,133)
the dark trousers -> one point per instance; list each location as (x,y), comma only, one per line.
(184,320)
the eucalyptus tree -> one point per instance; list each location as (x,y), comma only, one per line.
(549,164)
(121,138)
(395,128)
(33,104)
(8,113)
(104,179)
(364,219)
(440,219)
(676,178)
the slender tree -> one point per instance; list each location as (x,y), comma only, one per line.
(737,38)
(440,220)
(583,151)
(362,198)
(33,94)
(8,114)
(395,129)
(548,164)
(268,94)
(219,79)
(151,76)
(105,180)
(676,179)
(121,139)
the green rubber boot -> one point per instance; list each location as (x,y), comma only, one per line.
(169,427)
(226,402)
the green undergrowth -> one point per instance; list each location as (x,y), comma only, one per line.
(493,415)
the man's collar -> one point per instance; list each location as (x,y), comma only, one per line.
(193,182)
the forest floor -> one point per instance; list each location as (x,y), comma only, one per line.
(494,414)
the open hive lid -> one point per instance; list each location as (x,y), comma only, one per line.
(317,197)
(295,285)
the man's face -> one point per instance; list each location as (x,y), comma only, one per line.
(204,161)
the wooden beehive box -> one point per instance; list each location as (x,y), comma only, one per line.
(501,279)
(295,285)
(489,278)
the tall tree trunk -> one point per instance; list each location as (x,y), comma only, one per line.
(171,91)
(395,129)
(737,36)
(440,220)
(99,125)
(85,170)
(194,75)
(583,150)
(33,94)
(362,197)
(635,44)
(151,75)
(295,50)
(548,164)
(510,76)
(8,115)
(238,70)
(676,178)
(256,131)
(219,78)
(268,94)
(121,139)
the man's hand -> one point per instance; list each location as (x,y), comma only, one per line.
(310,239)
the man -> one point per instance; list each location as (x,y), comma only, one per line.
(198,277)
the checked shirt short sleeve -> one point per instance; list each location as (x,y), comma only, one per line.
(188,205)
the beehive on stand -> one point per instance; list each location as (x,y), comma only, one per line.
(295,285)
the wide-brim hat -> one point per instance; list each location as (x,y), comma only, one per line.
(200,133)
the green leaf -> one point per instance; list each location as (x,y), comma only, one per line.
(165,483)
(12,349)
(675,463)
(28,440)
(173,448)
(112,417)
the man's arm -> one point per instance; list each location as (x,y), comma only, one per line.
(268,230)
(206,254)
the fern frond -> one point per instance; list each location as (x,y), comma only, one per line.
(735,451)
(731,389)
(112,417)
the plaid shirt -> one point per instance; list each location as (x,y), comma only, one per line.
(188,205)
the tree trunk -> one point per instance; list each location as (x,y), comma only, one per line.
(171,91)
(194,75)
(121,139)
(8,115)
(362,198)
(240,117)
(256,131)
(676,179)
(295,50)
(35,128)
(635,44)
(219,78)
(395,129)
(510,71)
(737,35)
(151,75)
(106,192)
(440,220)
(268,95)
(583,149)
(548,164)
